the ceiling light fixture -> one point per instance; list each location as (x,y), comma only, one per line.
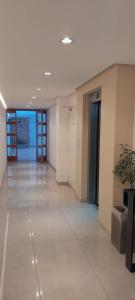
(33,97)
(39,293)
(66,40)
(47,73)
(27,106)
(30,103)
(3,101)
(34,261)
(31,234)
(38,89)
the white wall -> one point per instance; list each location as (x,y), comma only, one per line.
(62,139)
(52,135)
(3,151)
(66,139)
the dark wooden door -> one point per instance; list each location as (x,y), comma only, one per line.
(41,135)
(11,135)
(94,145)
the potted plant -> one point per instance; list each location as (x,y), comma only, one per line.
(124,170)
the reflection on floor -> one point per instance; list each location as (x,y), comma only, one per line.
(56,250)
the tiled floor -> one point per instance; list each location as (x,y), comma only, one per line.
(56,250)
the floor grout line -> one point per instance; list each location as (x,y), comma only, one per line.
(4,257)
(35,260)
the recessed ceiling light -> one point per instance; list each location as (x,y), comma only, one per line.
(38,89)
(66,40)
(33,97)
(47,73)
(28,106)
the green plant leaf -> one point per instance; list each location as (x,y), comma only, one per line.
(125,168)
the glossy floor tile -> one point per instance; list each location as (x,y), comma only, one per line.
(55,248)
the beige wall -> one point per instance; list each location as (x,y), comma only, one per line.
(134,130)
(117,94)
(124,117)
(62,139)
(72,141)
(3,153)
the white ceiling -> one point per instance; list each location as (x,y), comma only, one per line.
(30,33)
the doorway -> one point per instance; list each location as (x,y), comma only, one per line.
(94,147)
(26,135)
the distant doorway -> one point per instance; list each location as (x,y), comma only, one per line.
(94,147)
(26,135)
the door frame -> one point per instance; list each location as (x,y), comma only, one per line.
(43,157)
(96,202)
(12,146)
(10,110)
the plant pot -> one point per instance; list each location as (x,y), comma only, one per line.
(130,237)
(118,231)
(119,225)
(125,196)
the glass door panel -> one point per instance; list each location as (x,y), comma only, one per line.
(44,118)
(11,135)
(39,129)
(39,117)
(11,140)
(11,116)
(44,140)
(41,135)
(44,151)
(11,152)
(11,129)
(44,129)
(39,140)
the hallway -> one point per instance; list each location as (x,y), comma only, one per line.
(54,247)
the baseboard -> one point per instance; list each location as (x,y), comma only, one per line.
(51,165)
(63,183)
